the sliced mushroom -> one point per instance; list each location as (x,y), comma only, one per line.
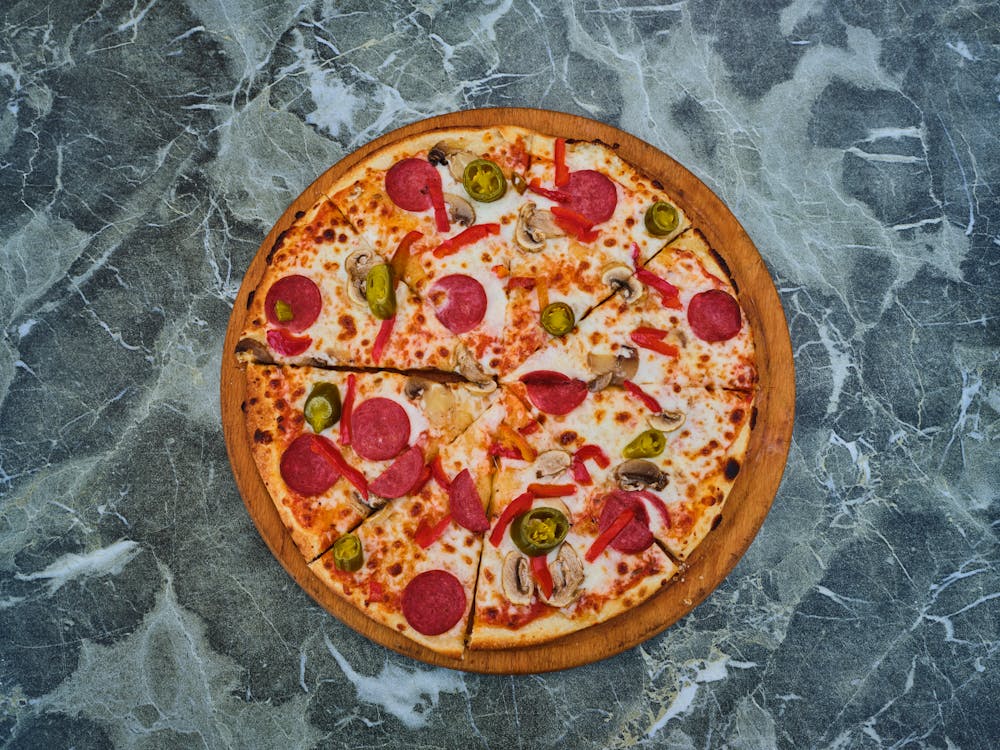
(439,404)
(533,227)
(453,155)
(551,463)
(620,278)
(518,584)
(255,351)
(640,474)
(467,366)
(460,211)
(567,575)
(374,502)
(612,369)
(666,421)
(357,265)
(415,386)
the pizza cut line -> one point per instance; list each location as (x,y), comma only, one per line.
(498,387)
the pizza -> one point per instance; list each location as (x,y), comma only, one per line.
(498,386)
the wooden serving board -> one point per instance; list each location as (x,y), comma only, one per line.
(751,496)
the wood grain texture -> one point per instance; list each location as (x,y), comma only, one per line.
(751,496)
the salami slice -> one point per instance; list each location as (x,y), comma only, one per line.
(636,536)
(592,194)
(380,429)
(433,602)
(714,315)
(282,342)
(401,477)
(296,296)
(304,470)
(459,302)
(407,183)
(466,504)
(553,392)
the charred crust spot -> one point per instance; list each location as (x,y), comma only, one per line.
(299,214)
(395,569)
(243,407)
(736,416)
(329,235)
(658,185)
(567,437)
(732,469)
(250,298)
(716,521)
(278,242)
(753,417)
(262,437)
(725,267)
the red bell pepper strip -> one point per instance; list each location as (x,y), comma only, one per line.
(437,201)
(531,428)
(593,453)
(517,506)
(580,474)
(668,292)
(553,195)
(375,591)
(328,450)
(504,451)
(652,339)
(438,472)
(402,255)
(382,338)
(426,535)
(609,534)
(562,172)
(651,403)
(574,224)
(551,490)
(346,412)
(540,568)
(467,237)
(516,440)
(521,282)
(635,254)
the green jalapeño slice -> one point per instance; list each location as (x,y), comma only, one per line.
(283,311)
(380,291)
(539,530)
(347,553)
(661,219)
(322,408)
(558,318)
(484,181)
(648,444)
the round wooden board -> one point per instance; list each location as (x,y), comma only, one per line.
(751,496)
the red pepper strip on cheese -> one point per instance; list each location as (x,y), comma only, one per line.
(553,195)
(503,451)
(521,282)
(426,535)
(346,412)
(668,292)
(440,209)
(609,534)
(438,472)
(551,490)
(652,339)
(467,237)
(651,403)
(401,257)
(635,254)
(593,453)
(540,568)
(518,505)
(382,338)
(580,474)
(375,591)
(574,223)
(562,173)
(516,440)
(328,450)
(531,428)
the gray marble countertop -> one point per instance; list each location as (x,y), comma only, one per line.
(147,146)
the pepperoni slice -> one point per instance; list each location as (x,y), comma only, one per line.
(636,536)
(592,194)
(380,429)
(282,342)
(401,477)
(553,392)
(300,298)
(407,184)
(304,470)
(459,302)
(433,602)
(466,505)
(714,315)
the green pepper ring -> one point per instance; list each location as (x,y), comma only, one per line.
(380,291)
(348,554)
(558,319)
(484,181)
(646,445)
(329,394)
(520,533)
(661,219)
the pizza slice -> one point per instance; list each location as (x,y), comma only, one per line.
(327,298)
(412,566)
(676,320)
(331,446)
(673,453)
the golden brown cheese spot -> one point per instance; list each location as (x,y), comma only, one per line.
(488,575)
(395,569)
(622,568)
(450,549)
(329,235)
(623,417)
(416,509)
(630,222)
(736,416)
(567,437)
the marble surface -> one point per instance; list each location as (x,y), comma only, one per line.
(147,146)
